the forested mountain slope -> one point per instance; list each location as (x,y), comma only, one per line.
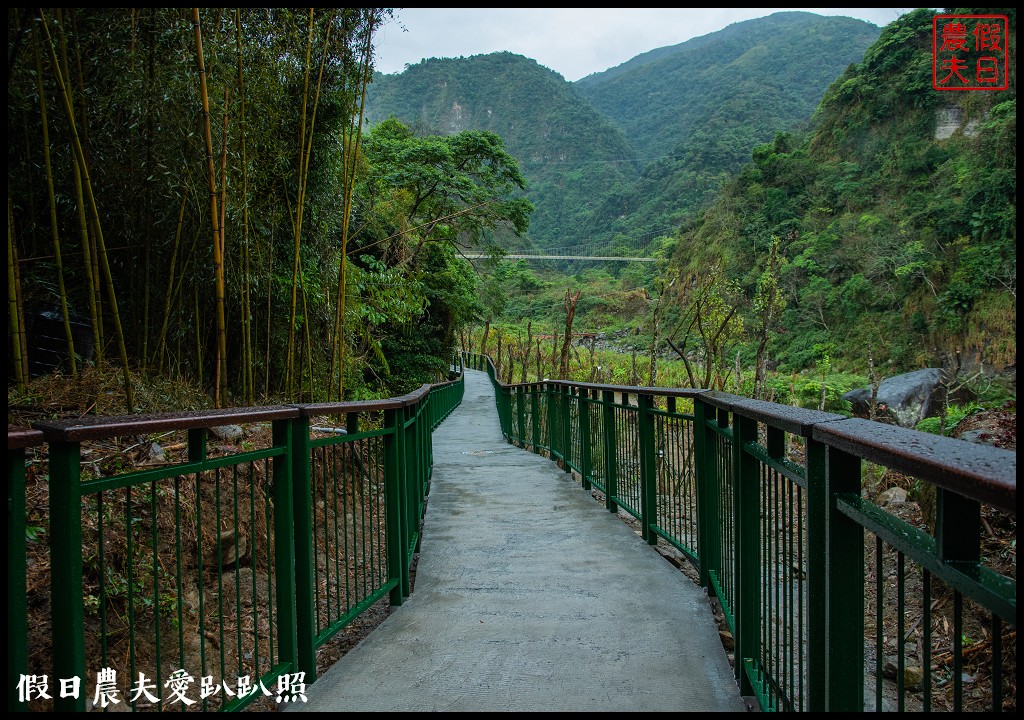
(568,152)
(688,115)
(894,241)
(694,111)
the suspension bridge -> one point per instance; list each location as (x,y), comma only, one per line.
(633,251)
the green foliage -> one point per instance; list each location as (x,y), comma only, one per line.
(954,414)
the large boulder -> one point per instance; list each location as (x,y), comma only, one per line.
(904,399)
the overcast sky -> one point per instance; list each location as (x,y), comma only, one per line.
(572,42)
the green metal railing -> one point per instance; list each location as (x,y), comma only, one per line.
(833,602)
(234,566)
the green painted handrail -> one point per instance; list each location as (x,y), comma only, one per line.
(273,550)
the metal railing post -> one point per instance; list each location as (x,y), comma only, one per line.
(17,604)
(835,581)
(747,611)
(709,548)
(302,511)
(648,471)
(405,497)
(284,536)
(66,602)
(611,465)
(535,417)
(565,413)
(521,415)
(393,503)
(586,461)
(554,433)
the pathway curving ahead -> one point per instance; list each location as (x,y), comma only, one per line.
(530,597)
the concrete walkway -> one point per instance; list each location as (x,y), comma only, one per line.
(529,596)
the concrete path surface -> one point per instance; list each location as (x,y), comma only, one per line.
(529,596)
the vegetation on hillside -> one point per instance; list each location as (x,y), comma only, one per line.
(191,194)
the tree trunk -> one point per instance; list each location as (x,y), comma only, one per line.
(570,312)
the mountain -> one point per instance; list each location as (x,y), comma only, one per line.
(694,111)
(894,217)
(625,155)
(567,150)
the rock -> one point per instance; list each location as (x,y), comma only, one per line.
(154,454)
(228,433)
(892,495)
(229,541)
(913,676)
(726,638)
(907,399)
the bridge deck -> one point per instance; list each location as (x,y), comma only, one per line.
(528,597)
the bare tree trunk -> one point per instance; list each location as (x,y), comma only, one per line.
(527,349)
(570,311)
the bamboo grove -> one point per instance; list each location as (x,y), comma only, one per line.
(192,186)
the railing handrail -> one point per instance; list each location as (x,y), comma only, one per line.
(982,472)
(393,461)
(768,502)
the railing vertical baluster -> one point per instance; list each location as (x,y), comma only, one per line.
(305,579)
(648,471)
(610,445)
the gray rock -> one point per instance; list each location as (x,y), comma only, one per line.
(154,454)
(907,399)
(892,495)
(228,433)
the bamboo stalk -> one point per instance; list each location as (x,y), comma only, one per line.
(91,224)
(349,154)
(101,245)
(83,229)
(297,217)
(247,364)
(170,284)
(44,120)
(218,260)
(13,314)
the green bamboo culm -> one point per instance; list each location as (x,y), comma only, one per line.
(13,316)
(101,245)
(83,227)
(218,259)
(73,365)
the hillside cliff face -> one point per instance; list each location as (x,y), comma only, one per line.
(896,215)
(689,113)
(567,150)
